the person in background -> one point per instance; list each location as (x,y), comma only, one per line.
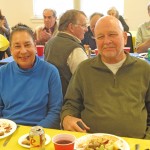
(30,88)
(5,31)
(65,50)
(114,12)
(49,29)
(104,92)
(143,35)
(89,40)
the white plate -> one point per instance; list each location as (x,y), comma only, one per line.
(48,139)
(12,124)
(84,139)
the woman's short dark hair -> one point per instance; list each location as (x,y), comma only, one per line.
(21,27)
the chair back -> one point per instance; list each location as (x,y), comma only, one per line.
(130,42)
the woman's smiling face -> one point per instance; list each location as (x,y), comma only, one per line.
(23,49)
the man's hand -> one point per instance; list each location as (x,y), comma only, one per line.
(44,36)
(70,123)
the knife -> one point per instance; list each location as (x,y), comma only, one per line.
(8,138)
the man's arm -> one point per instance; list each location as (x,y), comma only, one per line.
(140,45)
(75,58)
(143,47)
(73,106)
(147,103)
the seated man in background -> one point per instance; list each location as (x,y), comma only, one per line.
(89,35)
(114,12)
(143,36)
(30,88)
(104,92)
(49,29)
(65,50)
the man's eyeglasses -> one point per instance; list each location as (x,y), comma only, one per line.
(82,25)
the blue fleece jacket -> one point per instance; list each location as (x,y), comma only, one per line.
(31,97)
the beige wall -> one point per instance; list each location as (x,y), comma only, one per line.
(135,12)
(21,11)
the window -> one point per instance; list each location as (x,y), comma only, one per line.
(59,5)
(91,6)
(88,6)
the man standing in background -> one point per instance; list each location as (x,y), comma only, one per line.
(49,29)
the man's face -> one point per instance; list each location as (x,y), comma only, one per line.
(93,22)
(110,39)
(23,49)
(80,27)
(49,19)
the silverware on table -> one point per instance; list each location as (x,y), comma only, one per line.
(137,146)
(7,140)
(9,137)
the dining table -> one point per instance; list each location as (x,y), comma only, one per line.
(13,143)
(10,59)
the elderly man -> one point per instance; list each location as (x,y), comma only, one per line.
(49,29)
(65,50)
(30,88)
(109,93)
(89,35)
(143,35)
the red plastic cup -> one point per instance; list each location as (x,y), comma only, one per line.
(127,49)
(64,141)
(40,50)
(96,51)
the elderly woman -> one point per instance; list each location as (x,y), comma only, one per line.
(114,12)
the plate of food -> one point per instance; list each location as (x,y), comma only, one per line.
(25,142)
(101,141)
(7,127)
